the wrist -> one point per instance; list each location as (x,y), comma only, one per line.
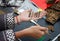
(17,19)
(20,34)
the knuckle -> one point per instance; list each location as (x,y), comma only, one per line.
(42,33)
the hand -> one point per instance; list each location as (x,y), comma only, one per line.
(28,15)
(24,16)
(33,31)
(38,15)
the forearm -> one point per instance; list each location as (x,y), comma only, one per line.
(19,34)
(22,33)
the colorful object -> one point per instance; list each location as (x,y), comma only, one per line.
(41,3)
(41,39)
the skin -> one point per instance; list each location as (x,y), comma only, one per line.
(33,31)
(24,16)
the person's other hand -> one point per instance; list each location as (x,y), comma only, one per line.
(36,31)
(33,31)
(29,15)
(24,16)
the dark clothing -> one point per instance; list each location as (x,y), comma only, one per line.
(7,22)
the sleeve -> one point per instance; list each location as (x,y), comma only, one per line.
(7,35)
(7,21)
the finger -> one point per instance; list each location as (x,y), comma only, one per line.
(35,18)
(43,13)
(29,19)
(46,31)
(42,33)
(32,15)
(38,14)
(29,14)
(39,34)
(43,28)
